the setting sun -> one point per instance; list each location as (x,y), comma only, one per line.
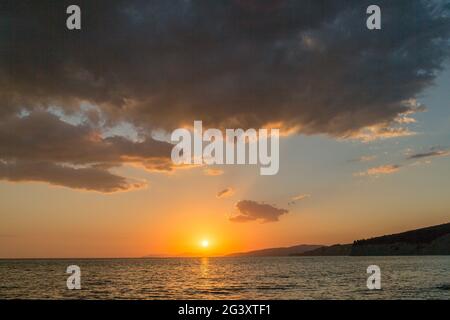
(205,243)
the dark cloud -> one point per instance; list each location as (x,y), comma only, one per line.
(430,154)
(380,170)
(310,65)
(393,168)
(42,147)
(92,179)
(249,210)
(299,197)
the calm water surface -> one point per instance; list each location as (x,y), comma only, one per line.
(229,278)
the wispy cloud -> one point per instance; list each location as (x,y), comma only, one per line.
(364,159)
(225,193)
(127,84)
(430,154)
(299,197)
(392,128)
(213,172)
(422,158)
(381,170)
(42,147)
(91,179)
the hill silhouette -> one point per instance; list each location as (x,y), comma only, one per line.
(434,240)
(276,252)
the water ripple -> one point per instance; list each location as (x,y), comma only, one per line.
(228,278)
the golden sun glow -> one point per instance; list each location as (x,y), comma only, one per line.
(205,243)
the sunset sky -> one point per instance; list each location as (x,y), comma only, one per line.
(85,116)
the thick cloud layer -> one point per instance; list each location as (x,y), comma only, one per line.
(41,147)
(310,65)
(380,170)
(92,179)
(43,136)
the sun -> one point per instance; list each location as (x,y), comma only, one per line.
(205,243)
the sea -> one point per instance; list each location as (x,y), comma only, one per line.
(418,277)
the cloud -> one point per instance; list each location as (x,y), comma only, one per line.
(225,193)
(309,65)
(381,170)
(41,147)
(213,172)
(92,179)
(42,136)
(430,154)
(364,159)
(249,210)
(381,131)
(299,197)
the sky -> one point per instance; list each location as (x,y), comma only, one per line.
(85,167)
